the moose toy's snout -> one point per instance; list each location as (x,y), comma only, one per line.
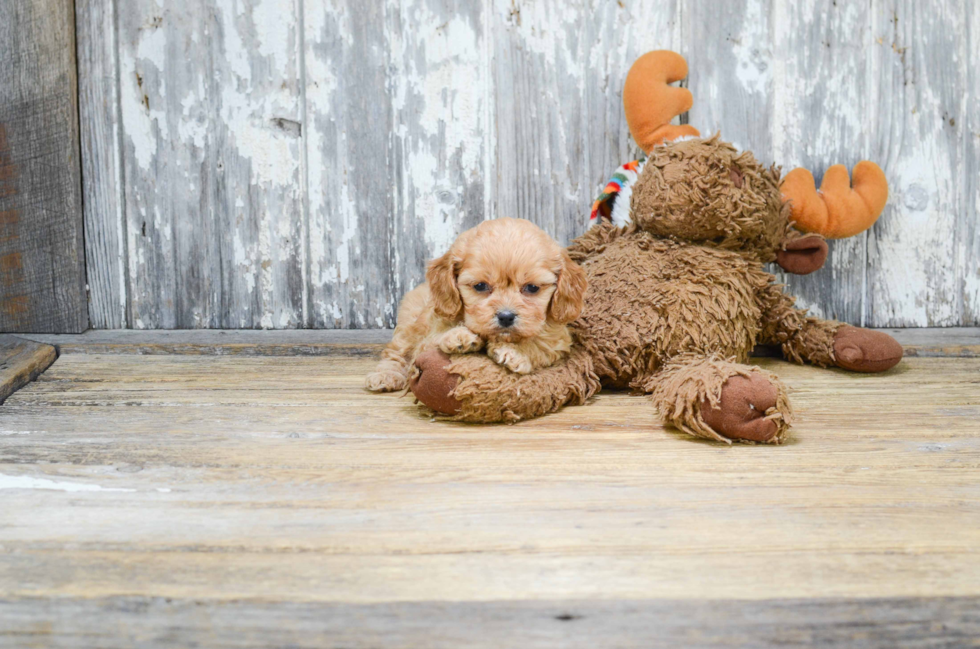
(804,255)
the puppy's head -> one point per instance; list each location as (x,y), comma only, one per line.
(505,279)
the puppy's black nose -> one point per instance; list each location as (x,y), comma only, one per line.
(506,318)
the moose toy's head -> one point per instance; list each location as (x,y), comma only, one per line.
(705,191)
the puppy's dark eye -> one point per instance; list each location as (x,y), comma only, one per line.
(481,287)
(531,289)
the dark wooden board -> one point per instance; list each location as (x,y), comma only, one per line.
(152,622)
(42,265)
(961,342)
(210,342)
(21,361)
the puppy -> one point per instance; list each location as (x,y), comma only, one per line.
(504,285)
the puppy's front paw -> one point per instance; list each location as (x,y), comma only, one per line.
(511,358)
(386,381)
(460,340)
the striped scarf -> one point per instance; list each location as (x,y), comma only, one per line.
(613,204)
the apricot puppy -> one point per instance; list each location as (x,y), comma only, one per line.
(505,286)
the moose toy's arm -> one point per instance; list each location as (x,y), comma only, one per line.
(473,388)
(839,209)
(826,343)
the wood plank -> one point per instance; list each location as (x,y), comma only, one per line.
(323,342)
(234,497)
(215,224)
(935,342)
(291,469)
(441,165)
(103,201)
(822,104)
(481,110)
(968,221)
(258,188)
(616,34)
(153,622)
(220,342)
(42,265)
(21,361)
(349,110)
(919,81)
(539,73)
(167,201)
(729,51)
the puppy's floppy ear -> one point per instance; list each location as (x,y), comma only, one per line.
(566,303)
(441,276)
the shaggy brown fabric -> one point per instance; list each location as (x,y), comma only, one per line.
(710,397)
(687,190)
(652,299)
(861,350)
(677,301)
(490,393)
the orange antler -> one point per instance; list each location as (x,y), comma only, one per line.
(650,103)
(841,208)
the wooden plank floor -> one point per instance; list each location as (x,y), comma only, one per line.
(261,501)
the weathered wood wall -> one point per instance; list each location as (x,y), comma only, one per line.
(293,163)
(42,265)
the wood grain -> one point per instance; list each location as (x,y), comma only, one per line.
(211,101)
(443,136)
(540,61)
(324,342)
(729,51)
(348,108)
(102,171)
(967,260)
(382,131)
(616,34)
(21,361)
(42,264)
(949,342)
(278,489)
(919,76)
(822,112)
(570,624)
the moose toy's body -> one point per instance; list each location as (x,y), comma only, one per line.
(678,292)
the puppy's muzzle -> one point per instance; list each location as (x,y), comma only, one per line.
(506,319)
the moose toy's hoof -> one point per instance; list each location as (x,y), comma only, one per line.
(863,350)
(742,410)
(432,384)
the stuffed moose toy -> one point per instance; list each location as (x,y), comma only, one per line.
(678,292)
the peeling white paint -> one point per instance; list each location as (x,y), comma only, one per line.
(915,237)
(752,56)
(829,103)
(144,125)
(439,101)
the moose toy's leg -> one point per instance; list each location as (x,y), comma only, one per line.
(824,342)
(863,350)
(720,400)
(475,389)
